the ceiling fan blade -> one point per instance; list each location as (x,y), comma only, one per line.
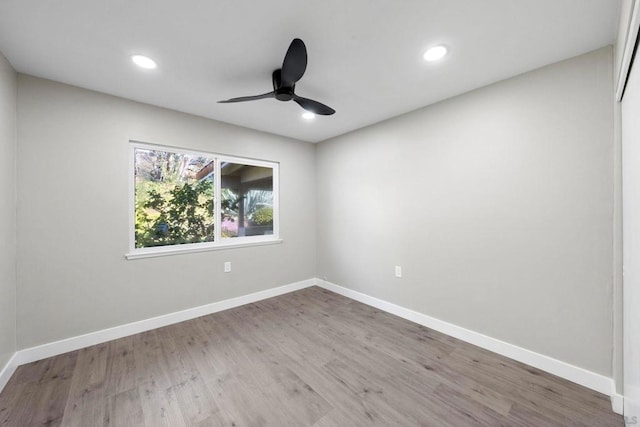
(249,98)
(314,107)
(295,63)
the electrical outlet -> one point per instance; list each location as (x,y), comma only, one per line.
(227,267)
(398,271)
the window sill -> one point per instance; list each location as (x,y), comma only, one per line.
(189,249)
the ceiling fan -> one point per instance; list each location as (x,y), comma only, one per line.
(284,82)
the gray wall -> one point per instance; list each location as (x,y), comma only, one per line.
(73,160)
(8,87)
(497,204)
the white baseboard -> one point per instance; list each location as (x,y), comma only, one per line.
(617,401)
(591,380)
(74,343)
(564,370)
(8,370)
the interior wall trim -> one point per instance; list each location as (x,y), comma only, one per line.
(617,401)
(8,370)
(581,376)
(55,348)
(591,380)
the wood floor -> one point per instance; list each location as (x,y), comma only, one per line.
(308,358)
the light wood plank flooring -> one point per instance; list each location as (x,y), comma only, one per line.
(308,358)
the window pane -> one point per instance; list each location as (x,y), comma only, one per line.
(173,198)
(246,200)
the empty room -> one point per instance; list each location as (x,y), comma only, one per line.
(286,213)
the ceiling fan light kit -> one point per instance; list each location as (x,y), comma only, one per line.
(284,82)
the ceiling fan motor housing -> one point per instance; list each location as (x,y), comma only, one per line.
(282,93)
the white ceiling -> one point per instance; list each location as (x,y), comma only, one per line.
(365,56)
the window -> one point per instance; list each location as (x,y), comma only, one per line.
(187,201)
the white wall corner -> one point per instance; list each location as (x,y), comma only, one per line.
(8,370)
(581,376)
(617,400)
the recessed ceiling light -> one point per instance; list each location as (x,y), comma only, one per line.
(435,53)
(308,115)
(144,62)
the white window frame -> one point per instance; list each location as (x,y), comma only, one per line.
(219,242)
